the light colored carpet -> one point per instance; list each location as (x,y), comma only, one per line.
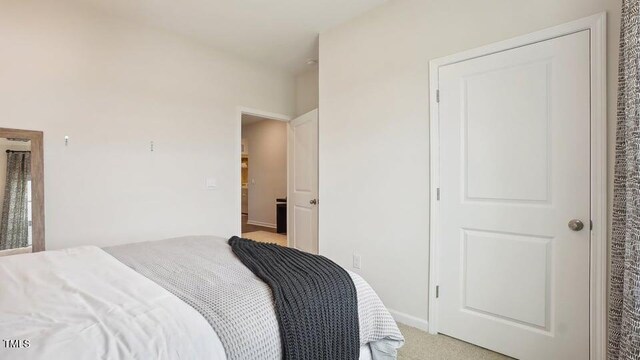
(266,237)
(420,345)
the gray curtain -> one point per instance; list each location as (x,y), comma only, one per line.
(624,297)
(14,224)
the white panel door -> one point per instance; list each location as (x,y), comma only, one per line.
(303,182)
(514,171)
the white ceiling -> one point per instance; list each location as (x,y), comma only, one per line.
(282,33)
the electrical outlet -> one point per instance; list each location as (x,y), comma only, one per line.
(357,262)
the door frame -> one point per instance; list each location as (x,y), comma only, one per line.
(596,24)
(241,110)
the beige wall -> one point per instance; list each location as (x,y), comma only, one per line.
(113,86)
(306,91)
(374,126)
(267,144)
(4,146)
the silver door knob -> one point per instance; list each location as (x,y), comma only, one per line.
(313,201)
(576,225)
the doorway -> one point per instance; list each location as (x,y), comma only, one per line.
(264,179)
(268,213)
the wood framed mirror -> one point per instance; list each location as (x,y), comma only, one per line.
(21,191)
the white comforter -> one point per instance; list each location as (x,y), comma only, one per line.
(81,303)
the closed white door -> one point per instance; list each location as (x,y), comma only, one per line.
(514,179)
(303,182)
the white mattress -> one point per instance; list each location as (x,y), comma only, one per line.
(81,303)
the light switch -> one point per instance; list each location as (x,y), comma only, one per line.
(357,261)
(211,183)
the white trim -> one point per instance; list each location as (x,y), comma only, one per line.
(262,114)
(434,180)
(263,224)
(240,110)
(596,24)
(409,320)
(599,191)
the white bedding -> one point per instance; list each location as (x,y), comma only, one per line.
(82,303)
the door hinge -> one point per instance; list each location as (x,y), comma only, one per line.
(438,95)
(438,194)
(590,224)
(437,291)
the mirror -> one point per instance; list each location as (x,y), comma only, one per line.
(21,195)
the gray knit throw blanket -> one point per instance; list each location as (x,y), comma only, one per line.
(315,299)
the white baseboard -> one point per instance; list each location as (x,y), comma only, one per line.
(260,223)
(410,320)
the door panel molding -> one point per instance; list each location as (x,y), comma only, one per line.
(596,25)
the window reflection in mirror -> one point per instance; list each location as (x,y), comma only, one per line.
(16,222)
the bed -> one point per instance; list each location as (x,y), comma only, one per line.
(183,298)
